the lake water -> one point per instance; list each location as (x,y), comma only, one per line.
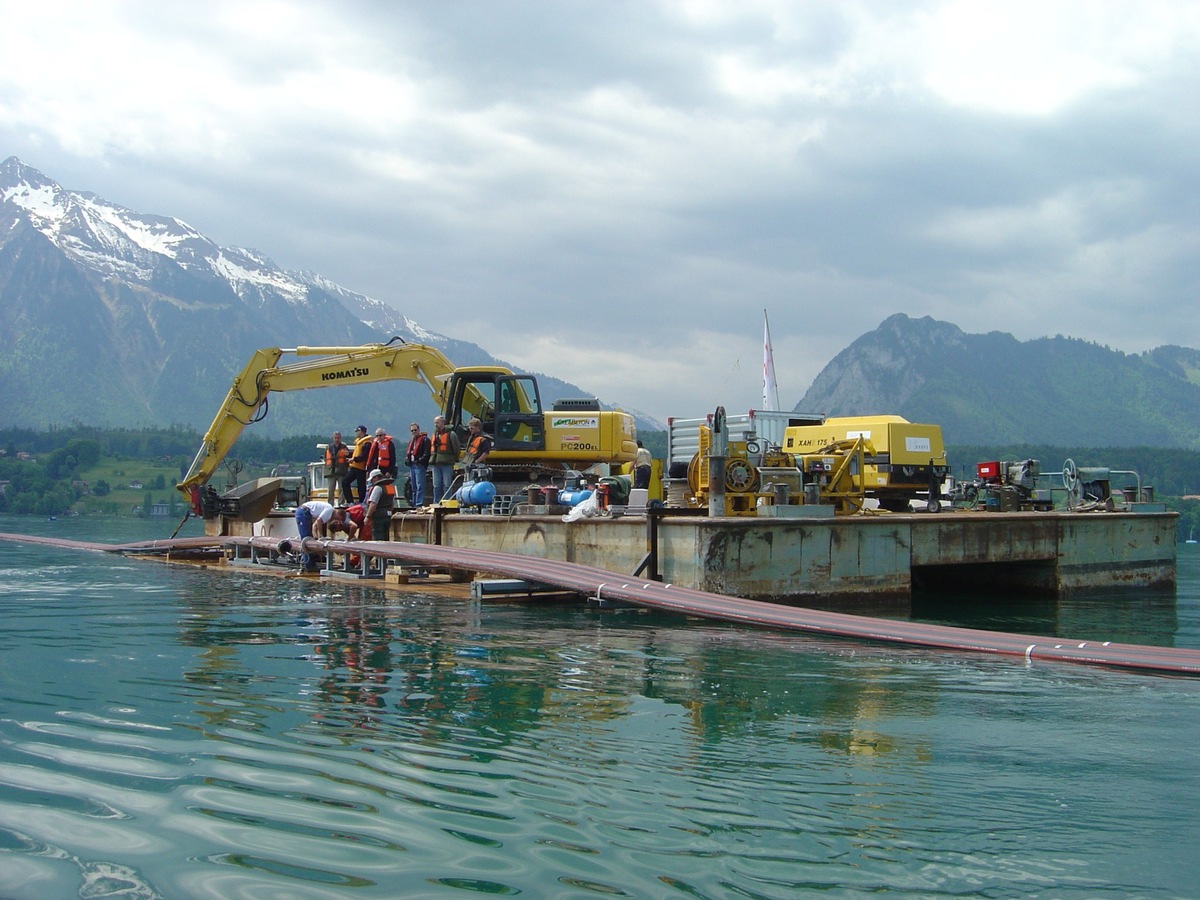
(178,733)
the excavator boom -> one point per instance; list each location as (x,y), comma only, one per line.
(327,367)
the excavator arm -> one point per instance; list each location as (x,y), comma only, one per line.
(246,401)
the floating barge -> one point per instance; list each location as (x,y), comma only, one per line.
(863,561)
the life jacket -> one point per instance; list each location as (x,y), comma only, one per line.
(387,499)
(380,524)
(337,459)
(362,452)
(357,513)
(383,451)
(416,446)
(441,448)
(478,445)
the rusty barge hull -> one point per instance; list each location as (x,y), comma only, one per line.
(846,562)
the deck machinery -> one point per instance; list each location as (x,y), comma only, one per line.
(842,462)
(1008,486)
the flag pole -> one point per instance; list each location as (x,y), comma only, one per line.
(770,386)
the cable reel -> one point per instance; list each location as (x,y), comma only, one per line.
(741,477)
(1070,476)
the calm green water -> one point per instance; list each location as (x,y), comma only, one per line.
(175,733)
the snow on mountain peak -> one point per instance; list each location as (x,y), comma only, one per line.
(249,272)
(31,190)
(113,240)
(107,237)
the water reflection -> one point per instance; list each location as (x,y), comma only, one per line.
(223,735)
(1134,617)
(430,671)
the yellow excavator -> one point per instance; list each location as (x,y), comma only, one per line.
(529,441)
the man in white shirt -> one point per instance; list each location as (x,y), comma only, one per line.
(642,464)
(312,520)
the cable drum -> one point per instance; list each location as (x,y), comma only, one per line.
(677,492)
(740,476)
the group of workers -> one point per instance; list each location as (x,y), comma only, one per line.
(349,467)
(366,473)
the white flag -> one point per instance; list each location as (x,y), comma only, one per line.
(770,388)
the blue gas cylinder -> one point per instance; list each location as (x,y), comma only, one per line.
(572,498)
(476,493)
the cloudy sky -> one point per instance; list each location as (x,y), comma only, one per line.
(614,192)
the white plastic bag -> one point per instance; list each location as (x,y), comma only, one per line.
(586,509)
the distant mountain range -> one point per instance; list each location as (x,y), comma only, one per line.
(992,390)
(112,317)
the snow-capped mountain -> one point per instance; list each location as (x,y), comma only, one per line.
(119,243)
(114,317)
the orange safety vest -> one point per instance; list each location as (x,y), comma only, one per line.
(337,460)
(441,449)
(382,515)
(473,446)
(381,453)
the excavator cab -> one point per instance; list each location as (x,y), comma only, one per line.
(509,406)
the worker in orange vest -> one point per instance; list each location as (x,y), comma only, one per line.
(478,446)
(383,454)
(337,465)
(381,500)
(444,449)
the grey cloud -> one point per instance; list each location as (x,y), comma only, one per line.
(568,167)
